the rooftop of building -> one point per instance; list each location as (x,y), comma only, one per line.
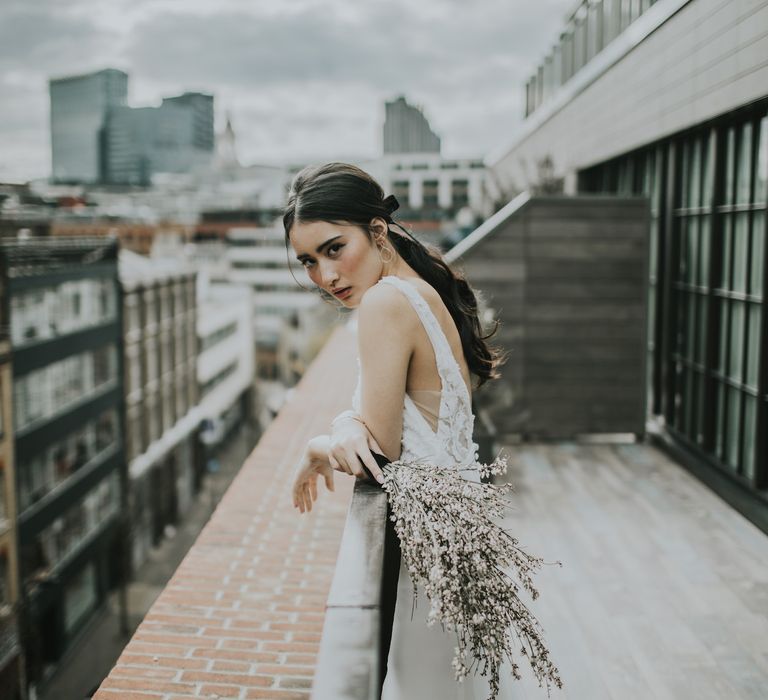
(661,593)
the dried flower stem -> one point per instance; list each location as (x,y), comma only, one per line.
(455,549)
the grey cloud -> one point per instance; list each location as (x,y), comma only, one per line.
(36,37)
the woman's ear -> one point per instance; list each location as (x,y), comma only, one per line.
(378,226)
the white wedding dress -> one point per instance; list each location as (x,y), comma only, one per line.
(419,662)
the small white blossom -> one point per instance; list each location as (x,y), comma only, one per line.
(456,550)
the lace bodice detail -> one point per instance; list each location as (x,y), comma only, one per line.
(452,443)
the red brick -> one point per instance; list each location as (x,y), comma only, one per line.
(227,678)
(248,656)
(294,682)
(168,661)
(285,670)
(115,683)
(123,671)
(223,691)
(231,666)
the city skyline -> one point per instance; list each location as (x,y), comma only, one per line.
(327,69)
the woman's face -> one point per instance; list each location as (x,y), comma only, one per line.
(337,258)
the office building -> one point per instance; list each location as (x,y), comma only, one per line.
(79,106)
(66,337)
(11,658)
(175,137)
(406,129)
(165,469)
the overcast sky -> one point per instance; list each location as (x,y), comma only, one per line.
(304,80)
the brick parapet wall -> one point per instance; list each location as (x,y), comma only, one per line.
(242,615)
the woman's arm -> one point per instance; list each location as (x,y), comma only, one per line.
(386,328)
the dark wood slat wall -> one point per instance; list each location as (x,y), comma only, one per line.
(567,277)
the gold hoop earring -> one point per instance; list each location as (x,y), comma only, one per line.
(384,260)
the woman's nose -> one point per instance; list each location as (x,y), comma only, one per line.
(328,275)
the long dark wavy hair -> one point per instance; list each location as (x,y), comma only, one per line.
(342,193)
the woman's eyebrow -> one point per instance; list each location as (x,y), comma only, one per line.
(319,248)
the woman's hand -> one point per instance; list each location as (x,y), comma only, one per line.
(350,448)
(314,462)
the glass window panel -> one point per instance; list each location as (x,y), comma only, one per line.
(736,341)
(757,256)
(689,402)
(692,251)
(744,165)
(701,326)
(740,242)
(685,169)
(725,259)
(750,434)
(693,181)
(761,174)
(651,314)
(690,326)
(699,428)
(720,421)
(708,168)
(730,158)
(705,244)
(732,433)
(753,346)
(723,330)
(682,263)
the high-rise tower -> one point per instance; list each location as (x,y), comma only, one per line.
(79,105)
(406,129)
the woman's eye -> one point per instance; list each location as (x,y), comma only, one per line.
(307,263)
(335,246)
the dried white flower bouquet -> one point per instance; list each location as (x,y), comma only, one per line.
(453,547)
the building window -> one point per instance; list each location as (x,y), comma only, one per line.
(214,338)
(51,389)
(56,463)
(430,196)
(65,535)
(42,314)
(80,597)
(707,384)
(218,378)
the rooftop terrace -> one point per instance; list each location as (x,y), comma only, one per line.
(663,592)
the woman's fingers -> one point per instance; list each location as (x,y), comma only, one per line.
(328,476)
(313,488)
(336,465)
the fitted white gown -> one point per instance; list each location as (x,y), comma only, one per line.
(419,662)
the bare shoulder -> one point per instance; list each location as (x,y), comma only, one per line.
(386,303)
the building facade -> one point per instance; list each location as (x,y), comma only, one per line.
(79,107)
(66,337)
(97,138)
(406,129)
(226,360)
(671,98)
(11,659)
(437,195)
(161,394)
(175,137)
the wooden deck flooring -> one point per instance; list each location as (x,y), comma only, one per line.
(663,592)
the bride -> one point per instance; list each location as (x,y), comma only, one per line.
(420,343)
